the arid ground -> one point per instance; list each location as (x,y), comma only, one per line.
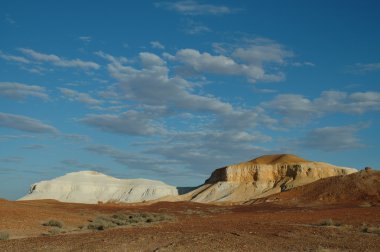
(192,227)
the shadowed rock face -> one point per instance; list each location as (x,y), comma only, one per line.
(264,176)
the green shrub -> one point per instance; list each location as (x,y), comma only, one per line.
(121,219)
(4,236)
(53,223)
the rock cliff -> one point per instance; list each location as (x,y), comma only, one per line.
(93,187)
(263,176)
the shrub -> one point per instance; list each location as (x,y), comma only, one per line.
(329,222)
(53,223)
(371,230)
(121,219)
(4,236)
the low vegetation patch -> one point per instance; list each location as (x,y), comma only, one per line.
(371,230)
(4,236)
(53,223)
(121,219)
(329,222)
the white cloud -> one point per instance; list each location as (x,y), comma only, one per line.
(73,95)
(192,27)
(157,45)
(14,58)
(364,68)
(333,138)
(190,7)
(262,50)
(58,61)
(255,61)
(85,39)
(113,59)
(296,108)
(26,124)
(151,85)
(130,123)
(20,91)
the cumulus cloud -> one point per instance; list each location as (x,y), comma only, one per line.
(26,124)
(73,95)
(254,61)
(190,7)
(203,151)
(115,60)
(20,91)
(157,45)
(333,138)
(152,85)
(298,108)
(131,122)
(58,61)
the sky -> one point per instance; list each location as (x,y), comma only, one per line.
(171,90)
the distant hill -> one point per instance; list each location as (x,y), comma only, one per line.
(261,177)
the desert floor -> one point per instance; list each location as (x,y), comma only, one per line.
(193,227)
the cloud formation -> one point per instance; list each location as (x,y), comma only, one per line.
(73,95)
(58,61)
(333,138)
(26,124)
(157,45)
(298,107)
(131,122)
(20,91)
(191,7)
(254,61)
(14,58)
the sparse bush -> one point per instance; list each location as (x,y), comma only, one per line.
(4,236)
(53,223)
(329,222)
(371,230)
(121,219)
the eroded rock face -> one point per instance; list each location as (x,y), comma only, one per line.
(93,187)
(264,176)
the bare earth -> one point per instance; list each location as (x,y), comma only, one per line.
(195,227)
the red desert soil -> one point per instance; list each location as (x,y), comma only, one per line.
(279,158)
(362,187)
(197,227)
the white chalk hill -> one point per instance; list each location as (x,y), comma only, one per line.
(93,187)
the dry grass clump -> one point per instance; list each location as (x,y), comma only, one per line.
(4,235)
(121,219)
(371,230)
(53,223)
(329,222)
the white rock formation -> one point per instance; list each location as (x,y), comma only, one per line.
(261,177)
(93,187)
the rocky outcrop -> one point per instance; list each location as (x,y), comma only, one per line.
(94,187)
(263,176)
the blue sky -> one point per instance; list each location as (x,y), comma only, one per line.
(171,90)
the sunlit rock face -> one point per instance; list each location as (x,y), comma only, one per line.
(94,187)
(263,176)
